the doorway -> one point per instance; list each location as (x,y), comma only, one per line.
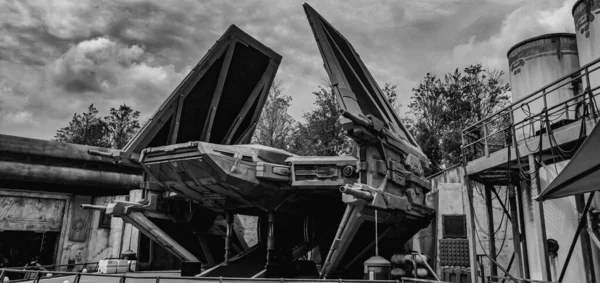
(17,248)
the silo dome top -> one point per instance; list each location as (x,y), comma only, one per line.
(570,37)
(595,5)
(543,44)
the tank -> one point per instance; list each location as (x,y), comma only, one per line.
(377,268)
(536,62)
(587,29)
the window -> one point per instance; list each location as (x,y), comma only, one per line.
(104,222)
(454,226)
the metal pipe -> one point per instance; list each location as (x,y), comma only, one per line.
(93,207)
(580,226)
(357,193)
(492,238)
(429,267)
(52,149)
(28,172)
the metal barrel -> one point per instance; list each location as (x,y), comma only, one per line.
(357,193)
(93,207)
(356,119)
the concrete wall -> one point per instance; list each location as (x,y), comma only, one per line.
(561,218)
(450,187)
(99,243)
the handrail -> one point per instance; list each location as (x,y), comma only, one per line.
(124,276)
(52,266)
(584,68)
(490,129)
(522,280)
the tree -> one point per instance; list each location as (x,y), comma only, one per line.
(112,131)
(275,125)
(86,128)
(389,90)
(443,107)
(122,124)
(322,134)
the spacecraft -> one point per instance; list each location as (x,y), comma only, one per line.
(313,211)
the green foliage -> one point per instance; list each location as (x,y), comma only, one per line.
(322,134)
(86,128)
(443,107)
(122,124)
(112,131)
(275,126)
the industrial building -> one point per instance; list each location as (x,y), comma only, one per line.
(42,185)
(508,229)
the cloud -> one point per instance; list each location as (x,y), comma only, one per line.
(527,21)
(57,58)
(94,65)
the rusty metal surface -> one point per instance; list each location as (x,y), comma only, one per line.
(31,214)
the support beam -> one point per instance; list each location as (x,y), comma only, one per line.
(205,250)
(525,253)
(515,230)
(228,237)
(540,219)
(491,230)
(351,221)
(472,236)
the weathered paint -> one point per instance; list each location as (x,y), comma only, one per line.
(587,31)
(537,62)
(450,187)
(30,214)
(561,223)
(105,243)
(80,219)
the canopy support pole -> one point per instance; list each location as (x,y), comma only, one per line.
(582,223)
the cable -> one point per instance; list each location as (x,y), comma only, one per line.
(376,236)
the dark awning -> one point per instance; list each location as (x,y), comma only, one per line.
(581,174)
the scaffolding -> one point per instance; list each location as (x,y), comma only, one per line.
(499,151)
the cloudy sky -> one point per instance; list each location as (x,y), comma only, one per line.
(57,57)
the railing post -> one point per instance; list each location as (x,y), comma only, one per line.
(2,275)
(485,140)
(123,278)
(77,277)
(592,99)
(37,277)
